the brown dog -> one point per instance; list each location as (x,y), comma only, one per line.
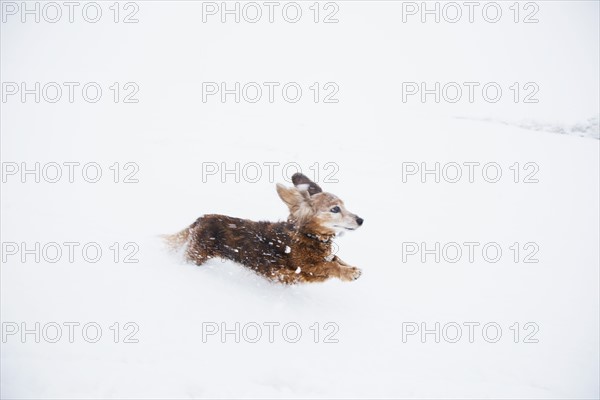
(295,251)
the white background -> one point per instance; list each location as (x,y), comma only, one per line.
(368,134)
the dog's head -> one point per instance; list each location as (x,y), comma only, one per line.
(308,204)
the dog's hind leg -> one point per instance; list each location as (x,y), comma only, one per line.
(197,251)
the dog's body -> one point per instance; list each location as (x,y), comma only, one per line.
(295,251)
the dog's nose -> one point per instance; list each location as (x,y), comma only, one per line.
(359,221)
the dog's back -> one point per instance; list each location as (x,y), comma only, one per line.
(263,246)
(240,240)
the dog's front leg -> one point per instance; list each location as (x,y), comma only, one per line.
(346,272)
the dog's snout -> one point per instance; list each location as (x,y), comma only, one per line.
(359,220)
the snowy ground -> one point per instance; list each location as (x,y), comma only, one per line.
(370,136)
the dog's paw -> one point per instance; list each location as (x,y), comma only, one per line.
(350,274)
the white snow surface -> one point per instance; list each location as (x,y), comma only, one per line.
(368,135)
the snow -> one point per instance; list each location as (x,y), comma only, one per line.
(351,343)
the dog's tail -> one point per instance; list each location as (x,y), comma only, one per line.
(175,241)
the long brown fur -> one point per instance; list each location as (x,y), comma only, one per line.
(296,251)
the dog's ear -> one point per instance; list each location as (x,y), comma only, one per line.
(298,201)
(303,183)
(290,196)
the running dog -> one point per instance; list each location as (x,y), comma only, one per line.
(296,251)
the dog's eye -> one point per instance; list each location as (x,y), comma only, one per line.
(335,209)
